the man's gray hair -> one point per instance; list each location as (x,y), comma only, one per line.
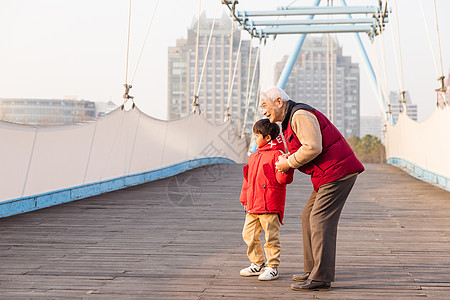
(273,93)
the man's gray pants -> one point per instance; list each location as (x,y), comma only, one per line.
(320,218)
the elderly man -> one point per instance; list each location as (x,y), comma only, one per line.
(318,149)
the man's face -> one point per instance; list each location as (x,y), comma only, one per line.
(273,110)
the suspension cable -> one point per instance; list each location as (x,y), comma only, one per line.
(126,85)
(230,92)
(247,96)
(385,81)
(251,89)
(442,95)
(438,37)
(207,51)
(145,41)
(258,90)
(328,75)
(402,92)
(128,43)
(248,70)
(258,96)
(332,79)
(195,97)
(332,74)
(377,71)
(268,63)
(429,37)
(328,69)
(262,80)
(396,60)
(230,63)
(399,48)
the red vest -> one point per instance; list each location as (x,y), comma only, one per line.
(336,159)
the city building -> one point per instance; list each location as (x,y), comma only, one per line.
(371,124)
(102,108)
(309,79)
(213,94)
(46,111)
(396,108)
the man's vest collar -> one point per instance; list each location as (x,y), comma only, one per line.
(292,107)
(287,115)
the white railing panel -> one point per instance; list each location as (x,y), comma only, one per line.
(16,146)
(425,145)
(149,146)
(38,160)
(59,158)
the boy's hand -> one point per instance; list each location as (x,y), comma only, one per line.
(245,208)
(282,164)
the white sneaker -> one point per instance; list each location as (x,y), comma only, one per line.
(253,270)
(269,274)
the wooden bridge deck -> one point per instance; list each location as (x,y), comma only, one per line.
(180,238)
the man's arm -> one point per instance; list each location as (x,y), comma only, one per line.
(307,129)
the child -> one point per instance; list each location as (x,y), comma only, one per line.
(263,196)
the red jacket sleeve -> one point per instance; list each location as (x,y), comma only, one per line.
(243,197)
(284,178)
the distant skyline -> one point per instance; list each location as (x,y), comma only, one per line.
(52,49)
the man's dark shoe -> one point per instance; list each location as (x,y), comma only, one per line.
(301,277)
(311,285)
(298,286)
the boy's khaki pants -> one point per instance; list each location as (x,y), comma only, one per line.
(251,232)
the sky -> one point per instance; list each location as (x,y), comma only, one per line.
(52,49)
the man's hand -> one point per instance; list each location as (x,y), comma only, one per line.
(245,208)
(282,164)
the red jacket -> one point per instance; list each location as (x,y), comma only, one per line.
(337,158)
(264,188)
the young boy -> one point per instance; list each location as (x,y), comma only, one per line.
(263,196)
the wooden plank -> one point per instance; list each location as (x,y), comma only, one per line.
(393,242)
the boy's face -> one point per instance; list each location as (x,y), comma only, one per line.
(261,140)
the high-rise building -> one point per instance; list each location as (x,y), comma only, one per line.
(371,124)
(213,94)
(396,108)
(309,79)
(46,111)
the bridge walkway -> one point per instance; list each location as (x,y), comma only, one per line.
(180,238)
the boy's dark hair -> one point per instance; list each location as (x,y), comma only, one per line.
(266,128)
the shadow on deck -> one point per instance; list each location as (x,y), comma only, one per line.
(180,238)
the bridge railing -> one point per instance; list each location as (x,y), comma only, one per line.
(422,148)
(48,165)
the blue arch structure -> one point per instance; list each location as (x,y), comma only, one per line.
(363,55)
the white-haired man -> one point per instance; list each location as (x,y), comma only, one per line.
(316,148)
